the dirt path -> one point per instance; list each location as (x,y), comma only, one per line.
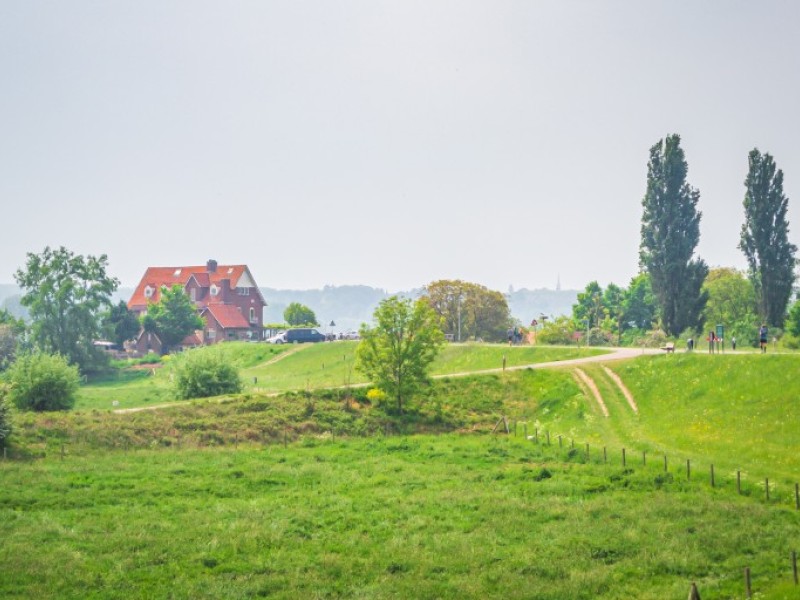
(589,383)
(622,388)
(615,354)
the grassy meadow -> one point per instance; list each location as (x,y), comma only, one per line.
(384,517)
(323,493)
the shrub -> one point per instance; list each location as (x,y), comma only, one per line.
(204,372)
(41,382)
(5,416)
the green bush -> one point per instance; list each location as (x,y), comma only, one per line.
(202,373)
(41,382)
(5,416)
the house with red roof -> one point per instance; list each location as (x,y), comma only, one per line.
(226,297)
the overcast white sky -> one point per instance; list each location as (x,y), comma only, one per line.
(384,143)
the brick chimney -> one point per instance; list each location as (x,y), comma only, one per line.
(211,266)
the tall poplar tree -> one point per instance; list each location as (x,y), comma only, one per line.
(765,237)
(670,233)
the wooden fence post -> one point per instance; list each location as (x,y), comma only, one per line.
(587,451)
(665,463)
(560,443)
(747,586)
(623,457)
(738,482)
(766,487)
(693,593)
(644,458)
(712,476)
(605,455)
(688,469)
(797,496)
(794,566)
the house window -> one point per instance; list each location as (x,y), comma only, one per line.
(212,333)
(193,294)
(243,291)
(252,315)
(214,290)
(148,291)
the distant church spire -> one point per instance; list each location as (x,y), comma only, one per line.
(558,283)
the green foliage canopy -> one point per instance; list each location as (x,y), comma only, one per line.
(397,351)
(65,295)
(639,304)
(205,372)
(670,233)
(474,310)
(731,302)
(41,382)
(5,416)
(172,318)
(120,323)
(765,237)
(297,314)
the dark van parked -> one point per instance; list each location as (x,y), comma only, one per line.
(303,335)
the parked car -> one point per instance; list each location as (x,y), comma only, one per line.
(301,335)
(278,338)
(349,335)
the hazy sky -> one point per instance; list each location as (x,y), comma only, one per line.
(384,143)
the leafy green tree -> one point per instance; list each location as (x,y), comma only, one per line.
(670,233)
(614,303)
(731,302)
(298,314)
(639,305)
(205,372)
(172,318)
(6,426)
(469,308)
(793,319)
(66,295)
(42,382)
(121,324)
(589,307)
(765,237)
(397,351)
(8,346)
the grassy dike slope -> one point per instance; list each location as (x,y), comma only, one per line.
(741,411)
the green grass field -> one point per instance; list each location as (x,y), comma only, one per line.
(203,497)
(421,517)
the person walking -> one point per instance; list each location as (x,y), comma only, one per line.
(733,342)
(762,337)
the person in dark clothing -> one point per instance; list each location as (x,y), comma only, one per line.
(762,337)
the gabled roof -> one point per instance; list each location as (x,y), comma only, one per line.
(155,277)
(228,316)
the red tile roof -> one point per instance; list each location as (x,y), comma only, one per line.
(228,316)
(155,277)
